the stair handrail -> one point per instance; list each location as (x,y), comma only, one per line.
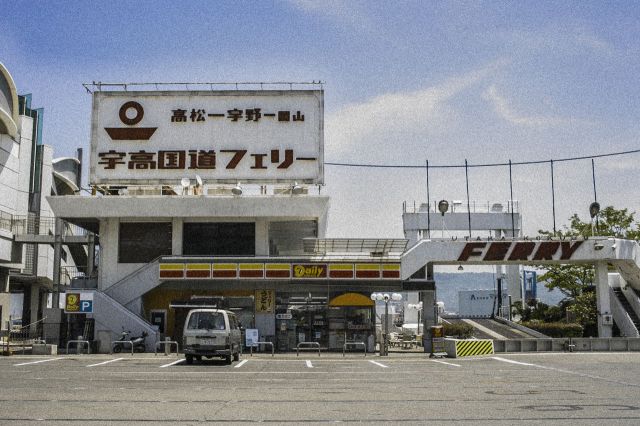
(121,281)
(135,314)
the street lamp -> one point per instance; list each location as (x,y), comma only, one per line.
(385,297)
(417,307)
(594,210)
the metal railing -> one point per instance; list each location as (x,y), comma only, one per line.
(6,220)
(42,225)
(356,344)
(460,206)
(70,273)
(24,337)
(257,344)
(79,344)
(115,342)
(307,346)
(170,343)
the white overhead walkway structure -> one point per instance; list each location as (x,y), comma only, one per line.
(617,298)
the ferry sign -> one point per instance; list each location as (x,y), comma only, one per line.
(518,251)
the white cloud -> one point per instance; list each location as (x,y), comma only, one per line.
(398,116)
(344,12)
(504,109)
(566,39)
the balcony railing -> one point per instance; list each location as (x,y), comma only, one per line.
(42,225)
(458,206)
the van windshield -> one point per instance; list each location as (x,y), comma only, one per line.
(206,321)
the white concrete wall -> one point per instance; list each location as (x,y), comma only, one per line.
(45,251)
(110,270)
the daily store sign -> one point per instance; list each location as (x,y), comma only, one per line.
(221,136)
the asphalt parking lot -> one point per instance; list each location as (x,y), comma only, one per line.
(586,388)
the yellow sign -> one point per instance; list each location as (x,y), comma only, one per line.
(72,302)
(265,301)
(309,271)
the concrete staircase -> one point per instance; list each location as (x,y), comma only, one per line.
(627,307)
(111,317)
(132,287)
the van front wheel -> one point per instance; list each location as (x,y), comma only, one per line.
(236,356)
(227,359)
(189,359)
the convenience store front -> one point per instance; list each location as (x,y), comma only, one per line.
(288,301)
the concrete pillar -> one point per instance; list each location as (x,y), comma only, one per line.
(603,302)
(176,236)
(91,254)
(4,280)
(34,304)
(514,283)
(262,237)
(429,310)
(57,253)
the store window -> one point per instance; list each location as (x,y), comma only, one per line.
(219,239)
(141,242)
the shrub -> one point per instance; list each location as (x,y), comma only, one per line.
(458,330)
(556,329)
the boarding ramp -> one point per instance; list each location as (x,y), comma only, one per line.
(624,255)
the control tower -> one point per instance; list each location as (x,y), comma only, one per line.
(460,220)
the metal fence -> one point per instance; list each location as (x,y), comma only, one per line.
(460,206)
(6,220)
(22,339)
(42,225)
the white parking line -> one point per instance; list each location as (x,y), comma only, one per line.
(309,365)
(378,364)
(241,363)
(497,358)
(106,362)
(446,363)
(178,361)
(35,362)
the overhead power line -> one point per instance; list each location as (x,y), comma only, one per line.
(461,166)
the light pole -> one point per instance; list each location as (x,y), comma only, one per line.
(384,349)
(594,210)
(443,206)
(417,307)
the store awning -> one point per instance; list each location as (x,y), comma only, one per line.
(351,299)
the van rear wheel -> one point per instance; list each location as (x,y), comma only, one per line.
(189,359)
(227,359)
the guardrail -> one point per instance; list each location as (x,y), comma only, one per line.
(79,344)
(262,343)
(307,346)
(167,342)
(344,347)
(569,344)
(114,342)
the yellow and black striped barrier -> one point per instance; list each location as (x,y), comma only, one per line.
(460,348)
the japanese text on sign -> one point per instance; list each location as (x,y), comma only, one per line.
(199,159)
(227,136)
(265,301)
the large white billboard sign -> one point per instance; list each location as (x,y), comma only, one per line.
(221,136)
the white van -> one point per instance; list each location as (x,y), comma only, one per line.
(211,333)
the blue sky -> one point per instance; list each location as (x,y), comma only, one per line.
(405,82)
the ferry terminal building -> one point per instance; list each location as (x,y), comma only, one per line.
(213,198)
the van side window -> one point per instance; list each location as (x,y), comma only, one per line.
(233,322)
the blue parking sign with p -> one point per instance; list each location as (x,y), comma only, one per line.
(86,306)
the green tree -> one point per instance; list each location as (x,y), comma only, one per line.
(576,282)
